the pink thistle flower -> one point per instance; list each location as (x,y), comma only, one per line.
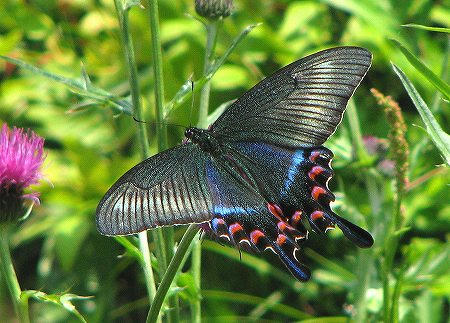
(21,157)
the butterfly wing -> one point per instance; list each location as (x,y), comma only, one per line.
(296,182)
(301,104)
(241,215)
(168,188)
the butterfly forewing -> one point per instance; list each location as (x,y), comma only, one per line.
(168,188)
(301,104)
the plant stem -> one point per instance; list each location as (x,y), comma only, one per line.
(211,37)
(147,266)
(161,133)
(6,265)
(365,257)
(196,311)
(141,131)
(353,119)
(172,269)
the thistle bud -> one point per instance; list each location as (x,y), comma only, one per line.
(214,9)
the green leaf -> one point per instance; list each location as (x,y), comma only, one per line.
(187,288)
(70,234)
(339,271)
(438,29)
(9,41)
(434,130)
(442,86)
(373,12)
(62,300)
(81,86)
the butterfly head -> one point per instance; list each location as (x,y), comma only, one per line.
(204,139)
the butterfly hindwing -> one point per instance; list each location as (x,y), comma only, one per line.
(296,181)
(168,188)
(301,104)
(241,215)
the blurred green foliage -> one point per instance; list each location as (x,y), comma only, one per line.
(90,144)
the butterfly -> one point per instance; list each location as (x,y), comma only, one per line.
(259,174)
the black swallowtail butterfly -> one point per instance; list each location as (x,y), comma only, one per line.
(259,172)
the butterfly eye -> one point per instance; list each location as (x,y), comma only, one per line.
(188,133)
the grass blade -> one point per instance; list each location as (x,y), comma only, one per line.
(254,300)
(438,29)
(434,130)
(442,86)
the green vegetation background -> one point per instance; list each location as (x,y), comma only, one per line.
(58,250)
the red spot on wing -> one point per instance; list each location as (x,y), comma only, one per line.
(281,239)
(276,211)
(317,191)
(315,171)
(235,227)
(255,235)
(282,225)
(314,155)
(296,217)
(218,221)
(316,215)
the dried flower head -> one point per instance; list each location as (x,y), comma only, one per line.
(398,145)
(21,157)
(214,9)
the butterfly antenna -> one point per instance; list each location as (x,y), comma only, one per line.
(164,123)
(137,120)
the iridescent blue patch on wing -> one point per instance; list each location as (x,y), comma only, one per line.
(292,171)
(231,211)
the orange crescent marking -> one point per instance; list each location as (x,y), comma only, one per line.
(316,170)
(235,227)
(314,155)
(281,239)
(255,235)
(316,215)
(296,217)
(317,191)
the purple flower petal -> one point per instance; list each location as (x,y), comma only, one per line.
(21,157)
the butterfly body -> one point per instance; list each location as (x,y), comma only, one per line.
(258,175)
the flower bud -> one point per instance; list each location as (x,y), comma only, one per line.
(214,9)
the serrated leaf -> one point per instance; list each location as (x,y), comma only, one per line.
(78,86)
(63,300)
